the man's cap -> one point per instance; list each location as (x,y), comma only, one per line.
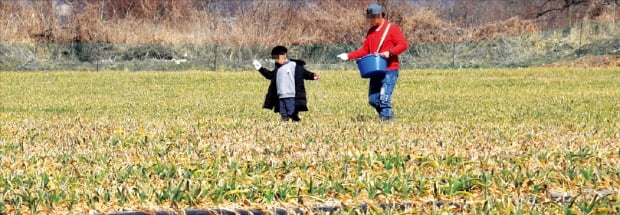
(279,50)
(374,9)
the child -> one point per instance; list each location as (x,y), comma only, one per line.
(286,93)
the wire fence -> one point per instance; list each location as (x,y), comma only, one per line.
(562,44)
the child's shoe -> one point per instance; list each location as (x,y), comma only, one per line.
(295,118)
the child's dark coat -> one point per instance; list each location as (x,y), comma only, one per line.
(301,74)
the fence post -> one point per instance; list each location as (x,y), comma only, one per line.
(580,36)
(215,58)
(98,56)
(454,41)
(613,24)
(454,55)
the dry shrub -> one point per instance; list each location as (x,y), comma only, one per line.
(602,13)
(425,27)
(147,22)
(260,22)
(25,24)
(510,27)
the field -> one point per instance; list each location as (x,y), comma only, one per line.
(469,141)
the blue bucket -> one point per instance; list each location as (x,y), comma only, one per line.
(372,65)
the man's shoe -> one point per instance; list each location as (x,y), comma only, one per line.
(387,118)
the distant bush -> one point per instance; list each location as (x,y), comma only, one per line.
(269,22)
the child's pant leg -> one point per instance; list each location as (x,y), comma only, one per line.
(290,107)
(283,109)
(287,107)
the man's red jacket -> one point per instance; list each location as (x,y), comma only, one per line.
(395,42)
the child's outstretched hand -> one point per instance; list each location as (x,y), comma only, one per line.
(317,76)
(257,65)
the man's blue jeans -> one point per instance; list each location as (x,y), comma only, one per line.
(380,93)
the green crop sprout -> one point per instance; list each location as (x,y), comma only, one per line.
(491,141)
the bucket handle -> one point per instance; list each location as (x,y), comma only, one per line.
(387,28)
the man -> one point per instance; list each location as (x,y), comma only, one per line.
(381,87)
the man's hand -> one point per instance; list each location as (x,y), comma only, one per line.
(343,56)
(317,76)
(257,65)
(385,54)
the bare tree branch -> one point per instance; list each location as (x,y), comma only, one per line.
(567,4)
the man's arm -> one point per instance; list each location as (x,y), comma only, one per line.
(401,41)
(361,52)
